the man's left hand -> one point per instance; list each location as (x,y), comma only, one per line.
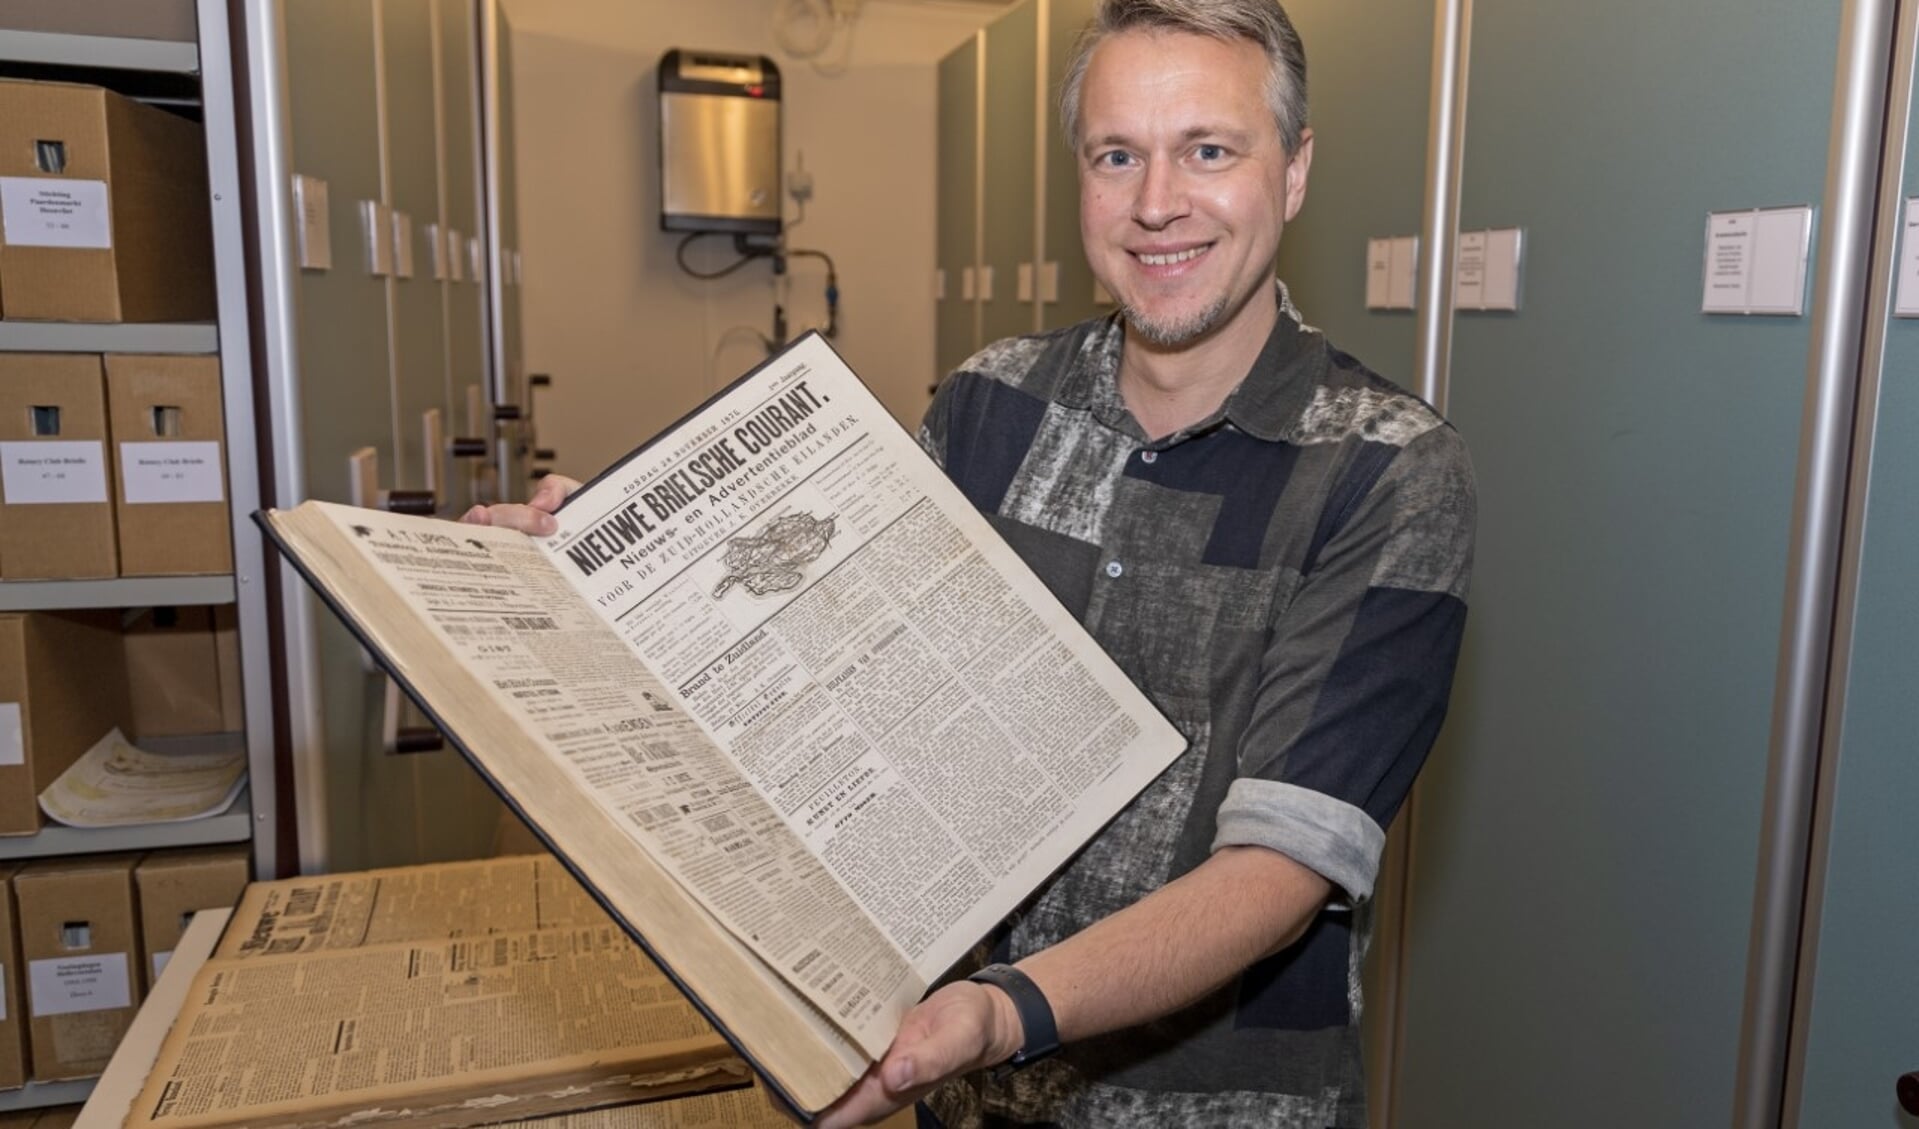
(960,1028)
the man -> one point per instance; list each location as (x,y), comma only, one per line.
(1273,543)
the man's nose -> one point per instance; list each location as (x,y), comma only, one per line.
(1162,196)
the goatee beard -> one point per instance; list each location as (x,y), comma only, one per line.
(1172,334)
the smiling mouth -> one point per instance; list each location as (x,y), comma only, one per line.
(1167,260)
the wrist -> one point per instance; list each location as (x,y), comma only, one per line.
(1005,1033)
(1022,1030)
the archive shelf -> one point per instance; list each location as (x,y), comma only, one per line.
(119,337)
(126,592)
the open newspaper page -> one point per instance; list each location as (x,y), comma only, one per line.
(451,1032)
(926,718)
(499,603)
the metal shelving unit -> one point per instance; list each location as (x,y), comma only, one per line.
(168,72)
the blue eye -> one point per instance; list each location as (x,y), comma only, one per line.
(1114,159)
(1210,152)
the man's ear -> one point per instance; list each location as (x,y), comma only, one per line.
(1296,170)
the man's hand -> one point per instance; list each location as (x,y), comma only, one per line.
(958,1029)
(536,517)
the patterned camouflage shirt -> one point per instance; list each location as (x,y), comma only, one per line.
(1286,581)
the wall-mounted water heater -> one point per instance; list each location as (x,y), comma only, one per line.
(719,142)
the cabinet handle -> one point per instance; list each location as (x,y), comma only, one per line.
(506,411)
(467,448)
(419,503)
(418,739)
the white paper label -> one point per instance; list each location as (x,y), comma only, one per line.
(402,245)
(55,212)
(170,472)
(1379,265)
(1469,278)
(3,993)
(1906,304)
(376,226)
(1503,248)
(1402,274)
(48,471)
(159,965)
(315,225)
(1756,261)
(64,985)
(13,748)
(435,250)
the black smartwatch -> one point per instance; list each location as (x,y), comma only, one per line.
(1035,1014)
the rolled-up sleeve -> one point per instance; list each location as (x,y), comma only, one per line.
(1355,678)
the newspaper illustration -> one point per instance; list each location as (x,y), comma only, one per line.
(772,561)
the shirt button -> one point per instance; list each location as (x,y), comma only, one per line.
(1149,456)
(1113,570)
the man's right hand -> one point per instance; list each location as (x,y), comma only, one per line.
(536,516)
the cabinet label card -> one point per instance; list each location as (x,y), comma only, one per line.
(171,471)
(13,747)
(1756,261)
(92,982)
(39,211)
(53,471)
(1906,300)
(314,225)
(1379,268)
(402,245)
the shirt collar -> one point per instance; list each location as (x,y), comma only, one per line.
(1265,405)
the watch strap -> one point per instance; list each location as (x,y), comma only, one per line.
(1029,1003)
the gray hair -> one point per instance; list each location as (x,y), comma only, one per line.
(1261,22)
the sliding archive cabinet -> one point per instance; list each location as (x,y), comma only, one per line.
(1659,859)
(1008,251)
(390,349)
(174,56)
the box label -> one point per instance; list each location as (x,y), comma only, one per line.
(13,747)
(40,211)
(64,985)
(46,471)
(171,471)
(159,965)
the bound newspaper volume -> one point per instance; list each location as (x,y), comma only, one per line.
(775,692)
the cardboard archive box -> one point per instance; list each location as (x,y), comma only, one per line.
(105,208)
(226,654)
(173,674)
(13,1009)
(56,517)
(62,687)
(79,941)
(170,465)
(173,885)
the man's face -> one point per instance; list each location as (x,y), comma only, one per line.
(1184,182)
